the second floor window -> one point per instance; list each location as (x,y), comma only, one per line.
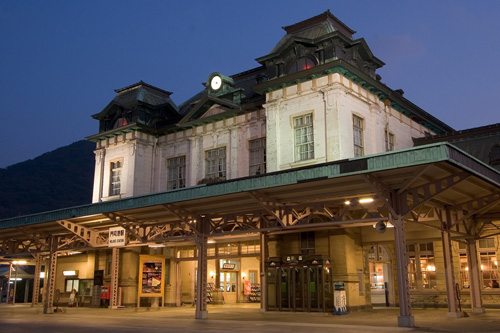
(304,138)
(115,178)
(176,172)
(389,141)
(215,163)
(357,127)
(257,150)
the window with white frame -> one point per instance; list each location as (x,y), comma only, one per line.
(215,163)
(421,266)
(257,150)
(176,172)
(389,141)
(357,128)
(115,177)
(304,137)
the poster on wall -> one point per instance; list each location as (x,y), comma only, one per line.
(152,272)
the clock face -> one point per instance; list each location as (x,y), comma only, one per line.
(216,82)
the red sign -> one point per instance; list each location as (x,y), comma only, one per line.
(248,288)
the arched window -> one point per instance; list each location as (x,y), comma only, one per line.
(122,121)
(301,64)
(495,155)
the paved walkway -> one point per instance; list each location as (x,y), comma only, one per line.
(234,318)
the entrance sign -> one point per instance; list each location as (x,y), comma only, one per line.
(117,237)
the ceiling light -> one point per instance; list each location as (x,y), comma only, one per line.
(366,200)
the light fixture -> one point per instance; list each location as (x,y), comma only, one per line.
(19,262)
(212,274)
(42,275)
(366,200)
(243,275)
(211,241)
(70,273)
(347,202)
(155,246)
(15,279)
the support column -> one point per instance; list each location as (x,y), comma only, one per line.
(264,251)
(405,318)
(451,290)
(8,284)
(115,264)
(50,278)
(36,281)
(201,281)
(476,299)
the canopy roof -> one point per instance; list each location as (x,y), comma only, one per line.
(437,174)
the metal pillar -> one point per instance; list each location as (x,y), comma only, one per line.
(474,279)
(8,284)
(201,281)
(15,284)
(405,317)
(263,281)
(115,264)
(50,278)
(451,290)
(36,280)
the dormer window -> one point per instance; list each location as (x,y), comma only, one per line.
(122,121)
(495,155)
(301,64)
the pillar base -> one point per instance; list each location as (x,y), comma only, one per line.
(458,314)
(201,315)
(406,321)
(478,310)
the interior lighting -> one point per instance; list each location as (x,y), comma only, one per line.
(155,246)
(431,268)
(212,274)
(42,275)
(211,241)
(243,275)
(347,202)
(70,273)
(19,262)
(366,200)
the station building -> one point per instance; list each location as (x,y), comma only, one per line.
(303,184)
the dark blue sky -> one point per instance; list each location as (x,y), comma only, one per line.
(61,60)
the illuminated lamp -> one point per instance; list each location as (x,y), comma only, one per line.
(70,273)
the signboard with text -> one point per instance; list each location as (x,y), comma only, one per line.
(117,237)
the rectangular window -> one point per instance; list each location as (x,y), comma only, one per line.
(389,141)
(464,271)
(257,149)
(176,172)
(421,267)
(489,269)
(215,163)
(357,127)
(115,178)
(72,284)
(307,242)
(304,137)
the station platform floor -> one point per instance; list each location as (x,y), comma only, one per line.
(234,318)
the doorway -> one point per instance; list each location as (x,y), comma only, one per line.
(381,281)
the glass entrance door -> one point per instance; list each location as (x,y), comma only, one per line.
(229,286)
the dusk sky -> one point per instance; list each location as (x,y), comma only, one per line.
(62,60)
